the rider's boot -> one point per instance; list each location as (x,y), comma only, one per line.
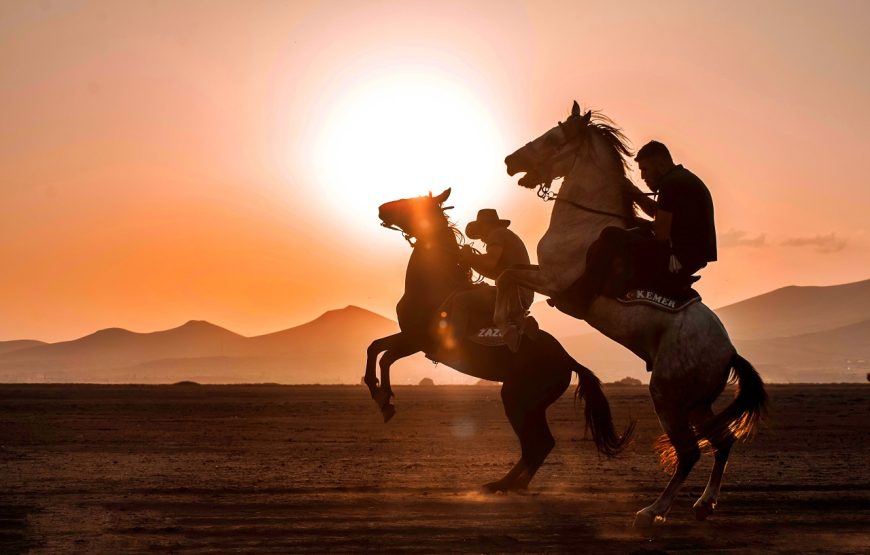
(512,336)
(514,333)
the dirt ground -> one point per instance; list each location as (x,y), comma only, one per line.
(219,469)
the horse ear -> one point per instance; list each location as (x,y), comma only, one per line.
(430,194)
(575,109)
(587,117)
(443,196)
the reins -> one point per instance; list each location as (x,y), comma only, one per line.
(592,210)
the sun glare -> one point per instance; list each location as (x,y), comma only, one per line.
(403,135)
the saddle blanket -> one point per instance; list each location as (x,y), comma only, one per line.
(489,337)
(669,303)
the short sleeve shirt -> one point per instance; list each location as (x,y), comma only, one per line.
(513,249)
(693,231)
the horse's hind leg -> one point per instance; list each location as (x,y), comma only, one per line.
(685,444)
(706,504)
(525,404)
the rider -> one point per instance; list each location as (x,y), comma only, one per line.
(503,249)
(681,242)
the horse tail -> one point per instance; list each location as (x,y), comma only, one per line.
(739,420)
(598,417)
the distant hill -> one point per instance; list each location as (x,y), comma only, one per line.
(18,344)
(807,334)
(798,310)
(838,355)
(343,329)
(329,349)
(119,347)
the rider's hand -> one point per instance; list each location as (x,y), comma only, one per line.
(674,265)
(466,251)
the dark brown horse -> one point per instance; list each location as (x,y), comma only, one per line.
(532,378)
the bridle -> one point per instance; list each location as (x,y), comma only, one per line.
(405,235)
(543,191)
(412,240)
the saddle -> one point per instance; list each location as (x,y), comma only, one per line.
(671,293)
(481,329)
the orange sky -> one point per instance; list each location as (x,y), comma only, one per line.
(165,161)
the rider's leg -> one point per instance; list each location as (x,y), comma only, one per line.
(599,261)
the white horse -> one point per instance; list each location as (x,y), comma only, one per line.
(689,352)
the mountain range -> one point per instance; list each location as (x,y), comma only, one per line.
(793,334)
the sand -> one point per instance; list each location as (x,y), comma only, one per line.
(218,469)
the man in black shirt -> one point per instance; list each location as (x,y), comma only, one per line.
(682,239)
(684,211)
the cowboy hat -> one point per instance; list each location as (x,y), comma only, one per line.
(486,218)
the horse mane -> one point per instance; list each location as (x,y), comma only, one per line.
(460,240)
(613,136)
(620,146)
(452,226)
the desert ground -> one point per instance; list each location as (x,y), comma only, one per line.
(219,469)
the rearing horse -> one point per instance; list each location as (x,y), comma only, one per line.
(533,378)
(689,352)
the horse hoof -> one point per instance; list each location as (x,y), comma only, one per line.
(493,487)
(381,397)
(389,411)
(646,519)
(703,509)
(503,487)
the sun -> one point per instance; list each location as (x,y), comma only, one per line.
(404,134)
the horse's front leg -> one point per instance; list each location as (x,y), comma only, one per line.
(397,351)
(508,309)
(376,348)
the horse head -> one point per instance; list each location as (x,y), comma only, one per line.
(416,216)
(550,155)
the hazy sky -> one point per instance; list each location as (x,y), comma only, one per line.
(166,161)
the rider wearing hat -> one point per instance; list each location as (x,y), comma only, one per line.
(504,248)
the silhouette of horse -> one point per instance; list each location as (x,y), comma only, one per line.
(688,352)
(533,378)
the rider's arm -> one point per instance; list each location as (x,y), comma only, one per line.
(486,264)
(646,203)
(662,225)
